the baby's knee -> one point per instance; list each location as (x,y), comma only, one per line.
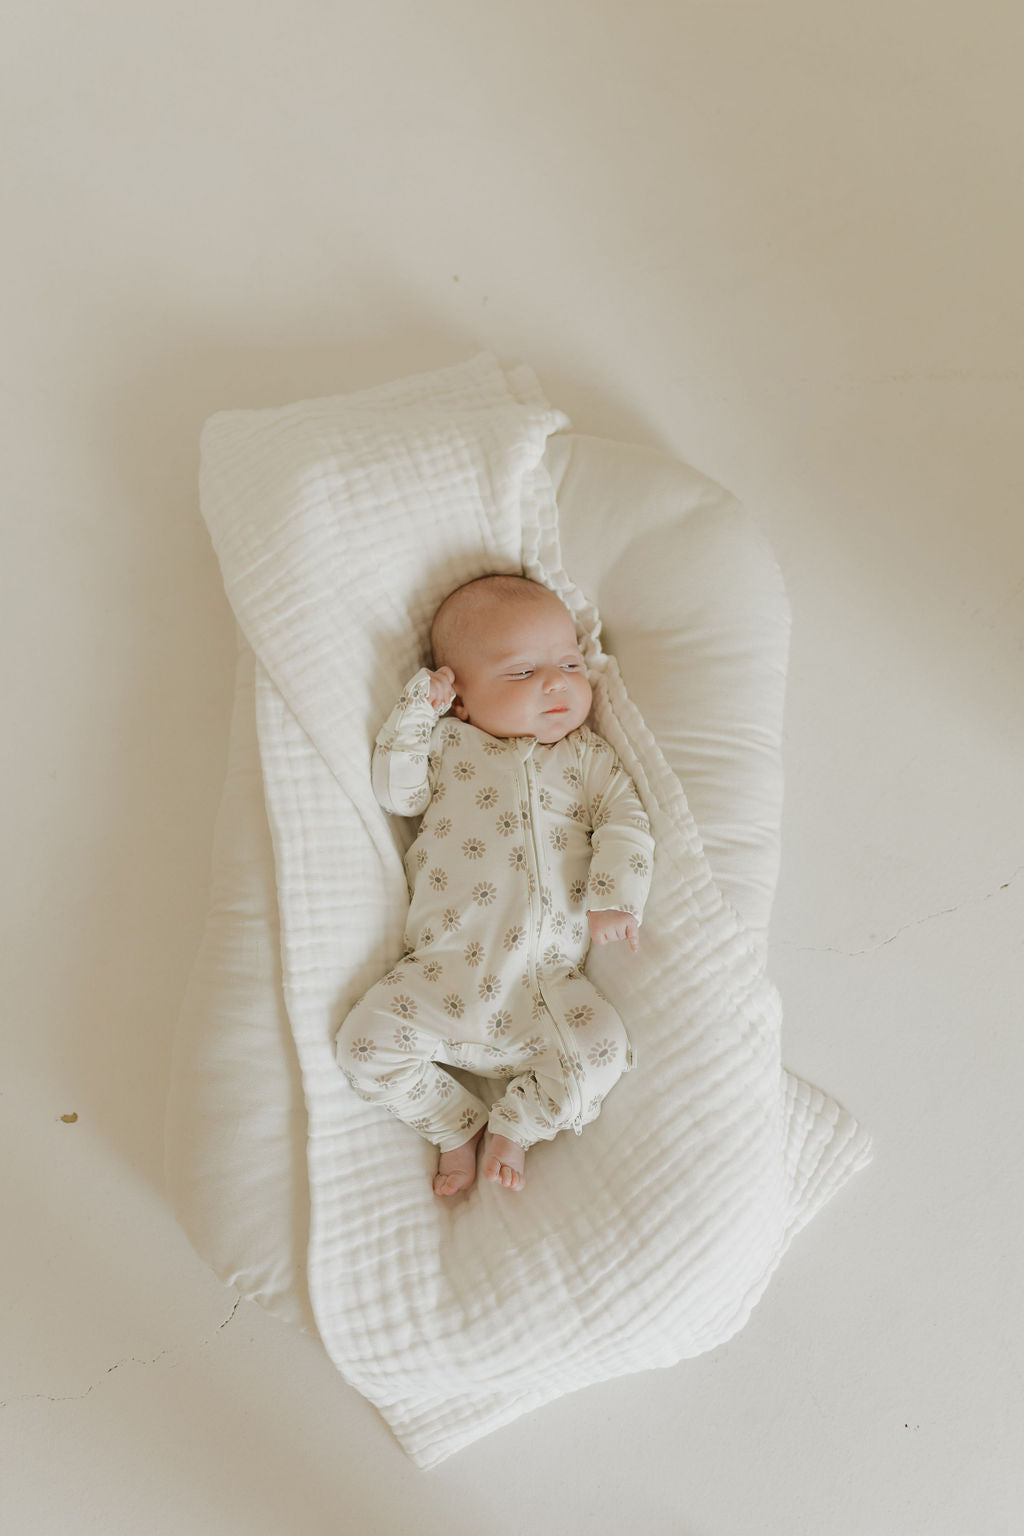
(600,1062)
(355,1049)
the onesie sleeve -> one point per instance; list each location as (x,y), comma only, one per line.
(400,768)
(622,863)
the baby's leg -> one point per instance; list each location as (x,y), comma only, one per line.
(559,1088)
(535,1106)
(599,1047)
(387,1049)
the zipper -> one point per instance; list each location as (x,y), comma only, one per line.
(577,1094)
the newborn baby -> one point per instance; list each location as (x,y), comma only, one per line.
(534,844)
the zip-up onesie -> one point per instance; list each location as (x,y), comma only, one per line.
(519,840)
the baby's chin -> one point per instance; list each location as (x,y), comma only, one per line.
(556,729)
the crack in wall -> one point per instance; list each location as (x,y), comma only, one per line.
(929,917)
(75,1397)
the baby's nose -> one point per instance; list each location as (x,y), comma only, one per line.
(555,680)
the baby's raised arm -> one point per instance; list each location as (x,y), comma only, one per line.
(400,766)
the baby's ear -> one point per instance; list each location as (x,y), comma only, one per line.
(459,709)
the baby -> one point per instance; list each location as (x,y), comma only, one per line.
(534,845)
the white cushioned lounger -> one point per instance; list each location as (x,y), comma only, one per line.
(693,609)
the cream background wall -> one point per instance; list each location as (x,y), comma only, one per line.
(780,241)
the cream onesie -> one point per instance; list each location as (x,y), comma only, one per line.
(518,841)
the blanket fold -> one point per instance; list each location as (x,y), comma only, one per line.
(340,525)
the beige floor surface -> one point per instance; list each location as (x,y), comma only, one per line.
(783,242)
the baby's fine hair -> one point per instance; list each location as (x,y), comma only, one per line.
(462,610)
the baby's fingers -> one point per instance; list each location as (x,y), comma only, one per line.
(441,692)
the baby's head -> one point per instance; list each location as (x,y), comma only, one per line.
(518,669)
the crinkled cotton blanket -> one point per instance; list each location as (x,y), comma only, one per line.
(340,525)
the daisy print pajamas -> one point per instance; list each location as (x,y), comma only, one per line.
(517,841)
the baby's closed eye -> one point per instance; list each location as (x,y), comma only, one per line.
(567,666)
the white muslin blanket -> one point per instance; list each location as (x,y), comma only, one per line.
(340,525)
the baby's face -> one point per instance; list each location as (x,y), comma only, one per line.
(524,675)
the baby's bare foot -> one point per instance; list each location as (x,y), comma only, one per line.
(504,1162)
(456,1170)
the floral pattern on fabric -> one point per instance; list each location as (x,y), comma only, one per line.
(518,839)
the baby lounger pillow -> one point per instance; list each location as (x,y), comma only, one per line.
(694,613)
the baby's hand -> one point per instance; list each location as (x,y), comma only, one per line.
(442,689)
(605,927)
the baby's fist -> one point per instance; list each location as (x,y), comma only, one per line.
(442,689)
(606,927)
